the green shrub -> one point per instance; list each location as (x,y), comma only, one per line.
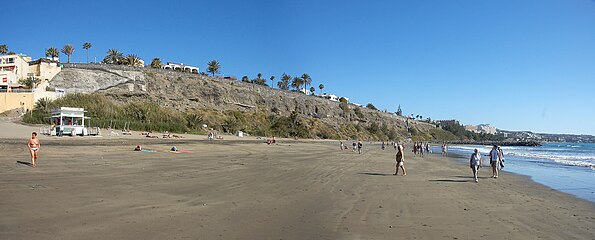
(104,113)
(371,106)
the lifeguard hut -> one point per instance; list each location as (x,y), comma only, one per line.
(68,121)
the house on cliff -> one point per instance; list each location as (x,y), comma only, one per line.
(180,67)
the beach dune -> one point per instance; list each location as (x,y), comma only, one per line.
(101,189)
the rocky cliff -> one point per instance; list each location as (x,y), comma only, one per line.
(184,92)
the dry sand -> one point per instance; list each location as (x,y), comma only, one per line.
(101,189)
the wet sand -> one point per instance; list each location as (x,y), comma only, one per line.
(101,189)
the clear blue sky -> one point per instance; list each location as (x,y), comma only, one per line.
(518,65)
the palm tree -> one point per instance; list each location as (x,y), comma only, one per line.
(321,86)
(68,50)
(284,83)
(43,104)
(297,83)
(3,49)
(113,56)
(133,60)
(312,89)
(52,52)
(306,80)
(245,79)
(156,63)
(213,67)
(86,46)
(30,82)
(272,81)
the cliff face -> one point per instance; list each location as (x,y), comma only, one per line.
(183,92)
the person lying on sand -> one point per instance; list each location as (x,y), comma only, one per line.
(34,145)
(151,136)
(138,148)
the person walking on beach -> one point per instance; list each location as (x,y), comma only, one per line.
(342,146)
(414,149)
(444,154)
(34,145)
(360,145)
(475,164)
(400,158)
(494,160)
(354,146)
(382,145)
(501,156)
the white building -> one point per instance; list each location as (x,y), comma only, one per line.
(19,66)
(181,67)
(331,97)
(481,128)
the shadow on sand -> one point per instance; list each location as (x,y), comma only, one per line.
(448,180)
(471,177)
(376,174)
(24,163)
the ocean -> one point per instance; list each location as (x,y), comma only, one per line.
(566,167)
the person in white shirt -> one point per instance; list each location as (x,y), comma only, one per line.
(494,160)
(444,150)
(475,163)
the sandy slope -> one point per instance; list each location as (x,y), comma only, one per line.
(90,189)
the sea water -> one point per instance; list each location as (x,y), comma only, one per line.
(567,167)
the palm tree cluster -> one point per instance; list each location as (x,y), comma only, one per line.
(52,52)
(286,82)
(67,50)
(117,58)
(259,80)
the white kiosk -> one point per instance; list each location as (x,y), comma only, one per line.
(69,121)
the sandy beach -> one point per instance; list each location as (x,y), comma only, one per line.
(232,189)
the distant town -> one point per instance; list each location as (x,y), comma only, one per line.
(530,136)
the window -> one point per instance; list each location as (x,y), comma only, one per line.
(10,60)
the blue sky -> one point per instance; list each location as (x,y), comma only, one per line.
(518,65)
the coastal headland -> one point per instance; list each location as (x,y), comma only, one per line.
(98,188)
